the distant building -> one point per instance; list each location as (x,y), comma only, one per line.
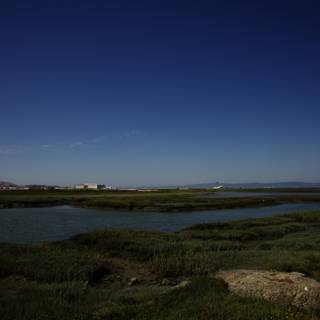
(38,187)
(61,188)
(89,186)
(8,188)
(79,186)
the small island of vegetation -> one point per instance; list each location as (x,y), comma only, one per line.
(167,200)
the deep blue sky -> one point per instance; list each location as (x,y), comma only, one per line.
(159,92)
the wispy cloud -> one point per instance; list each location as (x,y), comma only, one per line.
(13,149)
(89,141)
(98,139)
(76,144)
(132,134)
(46,147)
(102,139)
(10,150)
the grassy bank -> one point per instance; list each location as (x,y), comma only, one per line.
(163,201)
(88,276)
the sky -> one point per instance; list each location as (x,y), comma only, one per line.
(159,92)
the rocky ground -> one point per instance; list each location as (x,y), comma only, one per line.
(280,287)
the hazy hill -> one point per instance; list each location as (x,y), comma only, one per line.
(254,185)
(6,184)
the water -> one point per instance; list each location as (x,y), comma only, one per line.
(244,194)
(32,225)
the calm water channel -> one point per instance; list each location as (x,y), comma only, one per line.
(32,225)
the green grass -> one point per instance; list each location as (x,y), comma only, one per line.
(87,276)
(51,264)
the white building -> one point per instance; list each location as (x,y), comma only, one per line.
(86,186)
(91,186)
(79,186)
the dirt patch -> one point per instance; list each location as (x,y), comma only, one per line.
(290,288)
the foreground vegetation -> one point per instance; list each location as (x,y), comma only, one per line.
(173,200)
(136,275)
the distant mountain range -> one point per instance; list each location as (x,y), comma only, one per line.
(256,185)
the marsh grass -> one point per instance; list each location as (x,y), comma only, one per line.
(172,200)
(204,298)
(48,263)
(87,276)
